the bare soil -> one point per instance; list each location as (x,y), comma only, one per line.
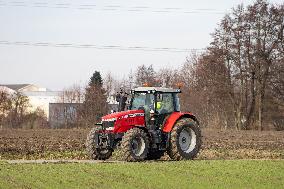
(69,144)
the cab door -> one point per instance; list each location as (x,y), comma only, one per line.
(164,107)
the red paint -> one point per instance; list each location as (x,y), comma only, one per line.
(119,114)
(124,120)
(170,122)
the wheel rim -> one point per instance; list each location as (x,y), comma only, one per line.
(187,140)
(138,146)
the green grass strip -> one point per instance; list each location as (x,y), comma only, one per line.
(168,174)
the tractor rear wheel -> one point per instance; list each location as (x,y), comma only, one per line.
(185,140)
(134,145)
(93,152)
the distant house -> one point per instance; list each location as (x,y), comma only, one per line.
(39,97)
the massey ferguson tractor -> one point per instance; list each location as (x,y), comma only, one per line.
(152,125)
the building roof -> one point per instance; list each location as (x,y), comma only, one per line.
(15,87)
(42,93)
(156,89)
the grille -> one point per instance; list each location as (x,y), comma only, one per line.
(107,124)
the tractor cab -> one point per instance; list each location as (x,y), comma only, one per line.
(156,102)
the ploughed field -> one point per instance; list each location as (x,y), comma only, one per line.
(69,144)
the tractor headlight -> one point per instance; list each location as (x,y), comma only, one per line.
(109,124)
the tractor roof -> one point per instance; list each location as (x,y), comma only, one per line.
(156,89)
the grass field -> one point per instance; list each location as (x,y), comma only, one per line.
(163,174)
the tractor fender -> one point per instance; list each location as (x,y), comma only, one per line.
(173,118)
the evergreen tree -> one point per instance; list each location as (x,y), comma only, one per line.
(95,104)
(96,79)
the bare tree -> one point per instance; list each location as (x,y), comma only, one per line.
(73,94)
(5,106)
(166,77)
(109,83)
(19,106)
(146,75)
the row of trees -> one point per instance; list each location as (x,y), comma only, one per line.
(249,46)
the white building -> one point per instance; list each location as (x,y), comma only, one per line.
(39,97)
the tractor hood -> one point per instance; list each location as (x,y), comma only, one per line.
(124,114)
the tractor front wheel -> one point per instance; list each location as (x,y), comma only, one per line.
(134,145)
(94,152)
(185,140)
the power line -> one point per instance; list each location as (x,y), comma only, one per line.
(101,47)
(109,7)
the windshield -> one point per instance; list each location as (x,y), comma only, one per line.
(142,101)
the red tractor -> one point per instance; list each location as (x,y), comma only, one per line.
(152,125)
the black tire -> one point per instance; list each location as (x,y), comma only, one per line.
(134,145)
(155,154)
(93,152)
(185,140)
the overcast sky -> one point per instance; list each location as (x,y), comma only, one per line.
(182,24)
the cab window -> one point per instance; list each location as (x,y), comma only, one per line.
(165,103)
(142,100)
